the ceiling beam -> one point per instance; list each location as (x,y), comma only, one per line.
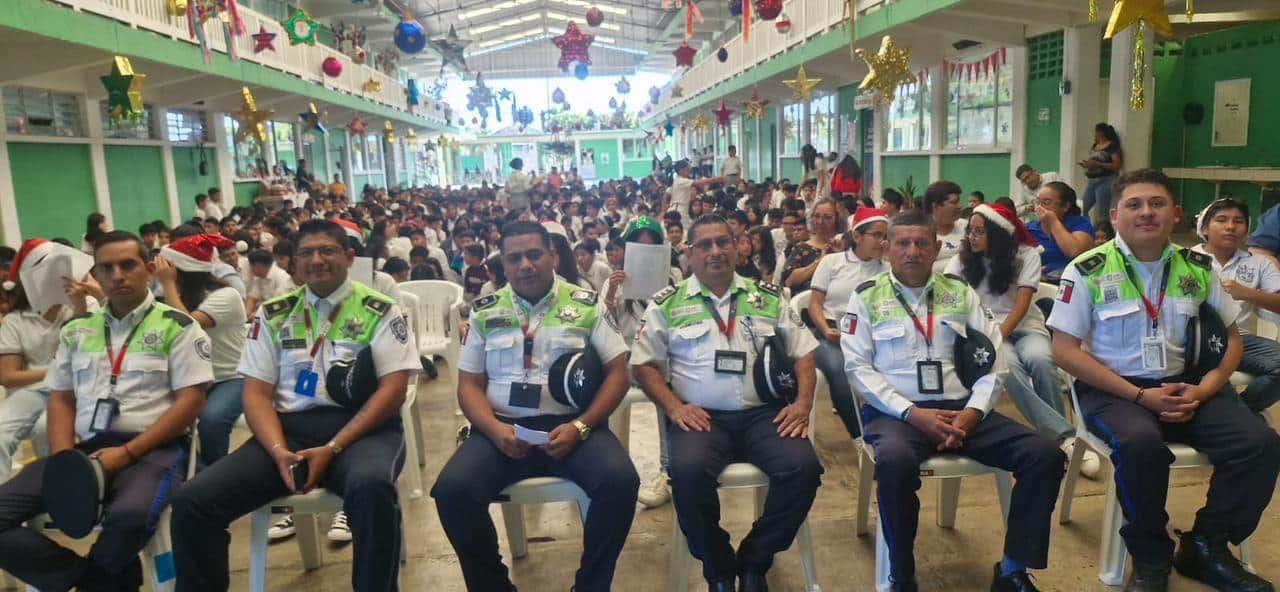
(960,27)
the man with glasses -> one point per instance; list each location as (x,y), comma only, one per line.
(304,435)
(519,429)
(694,356)
(1032,182)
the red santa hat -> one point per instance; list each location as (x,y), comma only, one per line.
(866,215)
(351,228)
(195,253)
(1005,218)
(31,250)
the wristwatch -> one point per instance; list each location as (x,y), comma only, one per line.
(333,445)
(584,430)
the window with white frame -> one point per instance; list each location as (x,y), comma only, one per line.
(246,154)
(637,149)
(373,153)
(909,120)
(792,127)
(40,112)
(823,124)
(980,105)
(282,140)
(185,127)
(128,128)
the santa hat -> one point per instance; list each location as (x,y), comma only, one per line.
(32,249)
(1005,218)
(195,253)
(866,215)
(351,228)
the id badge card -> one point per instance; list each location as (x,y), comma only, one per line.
(525,395)
(104,412)
(306,383)
(1153,354)
(731,362)
(929,377)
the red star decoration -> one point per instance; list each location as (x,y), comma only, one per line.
(574,45)
(263,40)
(358,126)
(684,55)
(723,114)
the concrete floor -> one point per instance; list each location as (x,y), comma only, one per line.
(957,559)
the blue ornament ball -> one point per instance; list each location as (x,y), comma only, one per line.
(581,72)
(735,7)
(410,37)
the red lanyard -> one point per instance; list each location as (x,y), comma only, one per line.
(926,332)
(726,328)
(118,361)
(306,318)
(530,329)
(1153,311)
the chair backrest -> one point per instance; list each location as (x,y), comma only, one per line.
(409,304)
(800,304)
(1045,295)
(436,301)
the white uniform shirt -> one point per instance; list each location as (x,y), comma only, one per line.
(1113,333)
(881,361)
(687,354)
(1027,264)
(949,245)
(681,195)
(597,274)
(836,277)
(731,165)
(265,359)
(1249,271)
(28,334)
(276,283)
(147,382)
(500,355)
(226,309)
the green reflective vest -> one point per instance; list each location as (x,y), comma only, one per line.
(950,299)
(1102,268)
(572,307)
(355,324)
(755,300)
(155,334)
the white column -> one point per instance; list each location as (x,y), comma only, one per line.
(779,141)
(221,156)
(1081,58)
(937,122)
(1134,127)
(324,150)
(8,197)
(97,157)
(348,177)
(805,127)
(166,162)
(1017,56)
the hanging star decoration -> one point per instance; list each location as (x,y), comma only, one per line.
(480,97)
(684,55)
(1143,14)
(301,28)
(436,92)
(677,91)
(623,86)
(574,46)
(888,69)
(723,114)
(372,85)
(670,127)
(251,120)
(311,120)
(263,40)
(451,50)
(412,96)
(389,133)
(700,122)
(358,126)
(124,90)
(411,138)
(802,86)
(754,108)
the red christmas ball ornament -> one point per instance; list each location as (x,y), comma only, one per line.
(594,16)
(360,56)
(783,24)
(768,9)
(332,67)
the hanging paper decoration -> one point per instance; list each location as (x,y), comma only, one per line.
(722,54)
(655,94)
(574,46)
(359,56)
(1191,10)
(124,90)
(677,91)
(768,9)
(557,96)
(735,7)
(524,117)
(623,86)
(613,102)
(700,123)
(480,97)
(1093,11)
(887,69)
(301,28)
(684,55)
(669,127)
(451,50)
(411,138)
(250,120)
(723,114)
(754,109)
(1143,13)
(594,16)
(802,86)
(409,35)
(412,97)
(389,133)
(263,40)
(692,16)
(581,71)
(226,13)
(851,25)
(746,19)
(332,67)
(358,126)
(372,85)
(437,89)
(176,7)
(311,120)
(783,24)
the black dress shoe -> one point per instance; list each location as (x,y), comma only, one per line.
(750,581)
(1014,582)
(721,586)
(1148,578)
(1208,560)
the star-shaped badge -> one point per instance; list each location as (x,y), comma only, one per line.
(1188,285)
(981,356)
(352,328)
(263,40)
(755,300)
(568,314)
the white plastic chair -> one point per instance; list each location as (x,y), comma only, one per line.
(439,311)
(542,490)
(800,303)
(409,305)
(1112,552)
(744,475)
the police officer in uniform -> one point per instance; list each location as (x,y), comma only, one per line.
(898,337)
(128,381)
(510,350)
(1120,321)
(704,336)
(305,435)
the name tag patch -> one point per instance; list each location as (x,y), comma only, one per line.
(731,362)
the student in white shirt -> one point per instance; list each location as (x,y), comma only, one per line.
(266,280)
(590,268)
(942,202)
(1032,182)
(731,166)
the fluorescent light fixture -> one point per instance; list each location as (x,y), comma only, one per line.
(509,4)
(603,6)
(513,37)
(511,22)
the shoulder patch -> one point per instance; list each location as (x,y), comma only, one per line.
(377,305)
(182,319)
(584,296)
(662,296)
(1197,258)
(768,288)
(864,286)
(276,308)
(484,302)
(1091,264)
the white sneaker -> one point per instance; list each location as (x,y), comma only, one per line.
(282,529)
(339,532)
(1090,464)
(656,493)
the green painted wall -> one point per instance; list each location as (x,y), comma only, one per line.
(637,168)
(896,169)
(1044,104)
(316,161)
(988,173)
(608,161)
(135,179)
(245,193)
(186,173)
(49,175)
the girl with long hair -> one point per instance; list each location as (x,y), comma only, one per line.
(764,254)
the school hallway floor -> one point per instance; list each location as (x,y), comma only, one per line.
(958,559)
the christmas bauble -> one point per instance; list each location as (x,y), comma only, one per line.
(783,24)
(332,67)
(581,72)
(768,9)
(409,36)
(722,55)
(735,7)
(595,16)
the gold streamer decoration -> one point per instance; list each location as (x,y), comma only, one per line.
(887,69)
(1191,10)
(754,109)
(1137,84)
(389,133)
(1093,11)
(1143,14)
(851,22)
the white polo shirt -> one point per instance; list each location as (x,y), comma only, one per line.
(1249,271)
(836,277)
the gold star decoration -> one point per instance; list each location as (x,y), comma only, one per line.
(1128,12)
(251,120)
(700,122)
(411,138)
(754,109)
(124,90)
(389,133)
(888,69)
(802,87)
(372,85)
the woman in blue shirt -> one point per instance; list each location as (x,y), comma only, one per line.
(1059,228)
